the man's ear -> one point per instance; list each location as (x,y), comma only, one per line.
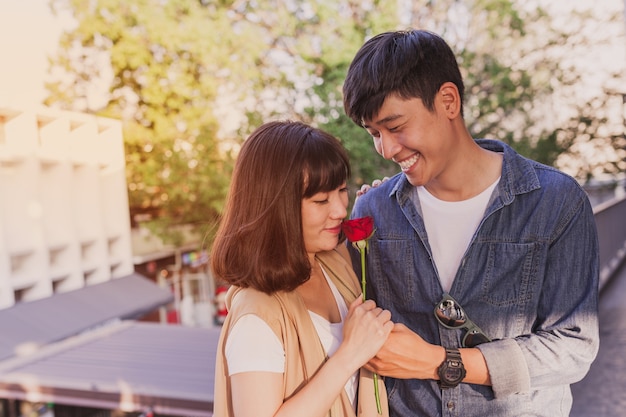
(450,99)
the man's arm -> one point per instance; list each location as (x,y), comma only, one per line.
(406,355)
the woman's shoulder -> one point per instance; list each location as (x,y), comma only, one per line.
(250,301)
(275,309)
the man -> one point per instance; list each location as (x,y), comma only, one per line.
(487,261)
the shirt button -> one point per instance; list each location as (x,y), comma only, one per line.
(450,405)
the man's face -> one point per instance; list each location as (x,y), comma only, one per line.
(417,139)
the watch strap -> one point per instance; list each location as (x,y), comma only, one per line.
(451,364)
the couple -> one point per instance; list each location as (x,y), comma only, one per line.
(482,273)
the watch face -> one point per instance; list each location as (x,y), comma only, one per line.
(452,374)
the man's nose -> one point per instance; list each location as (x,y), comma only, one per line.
(388,146)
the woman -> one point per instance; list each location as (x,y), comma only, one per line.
(297,331)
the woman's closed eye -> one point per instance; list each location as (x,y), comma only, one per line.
(320,198)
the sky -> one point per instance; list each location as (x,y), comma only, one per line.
(28,34)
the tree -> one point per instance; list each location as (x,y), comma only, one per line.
(177,71)
(161,63)
(519,74)
(347,25)
(531,97)
(168,67)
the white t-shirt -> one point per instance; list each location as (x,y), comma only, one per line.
(450,226)
(253,346)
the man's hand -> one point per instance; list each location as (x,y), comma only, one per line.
(406,355)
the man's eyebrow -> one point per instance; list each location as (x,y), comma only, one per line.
(384,120)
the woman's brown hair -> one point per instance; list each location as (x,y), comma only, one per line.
(259,243)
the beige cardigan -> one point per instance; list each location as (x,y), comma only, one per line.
(288,317)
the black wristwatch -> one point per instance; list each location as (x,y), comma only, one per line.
(451,372)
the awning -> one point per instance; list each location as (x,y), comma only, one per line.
(130,366)
(29,325)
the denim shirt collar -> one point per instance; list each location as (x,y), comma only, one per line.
(518,176)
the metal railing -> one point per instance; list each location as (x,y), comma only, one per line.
(611,223)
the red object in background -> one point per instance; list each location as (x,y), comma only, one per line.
(172,317)
(220,304)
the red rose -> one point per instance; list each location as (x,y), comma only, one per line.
(358,229)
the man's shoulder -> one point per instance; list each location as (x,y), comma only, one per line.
(527,174)
(547,186)
(551,177)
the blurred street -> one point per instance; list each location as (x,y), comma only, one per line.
(603,391)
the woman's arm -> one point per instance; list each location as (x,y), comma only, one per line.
(259,394)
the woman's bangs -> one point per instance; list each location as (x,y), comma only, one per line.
(325,174)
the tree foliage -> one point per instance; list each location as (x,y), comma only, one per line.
(158,61)
(520,78)
(191,78)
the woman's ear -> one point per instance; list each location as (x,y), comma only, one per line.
(450,99)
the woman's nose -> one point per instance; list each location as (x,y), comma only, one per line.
(339,211)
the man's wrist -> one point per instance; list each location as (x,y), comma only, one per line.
(439,357)
(451,371)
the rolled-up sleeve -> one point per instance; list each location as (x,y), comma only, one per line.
(564,339)
(508,369)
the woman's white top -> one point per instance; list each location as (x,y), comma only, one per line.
(450,226)
(253,346)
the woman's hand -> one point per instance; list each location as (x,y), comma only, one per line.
(365,330)
(366,187)
(259,394)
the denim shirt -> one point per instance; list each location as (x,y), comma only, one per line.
(529,280)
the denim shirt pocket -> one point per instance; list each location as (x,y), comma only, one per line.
(510,274)
(393,261)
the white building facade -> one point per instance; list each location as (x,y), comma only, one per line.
(64,221)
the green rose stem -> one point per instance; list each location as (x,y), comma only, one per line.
(362,246)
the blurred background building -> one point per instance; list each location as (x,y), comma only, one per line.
(84,334)
(64,212)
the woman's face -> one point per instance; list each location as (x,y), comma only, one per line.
(322,215)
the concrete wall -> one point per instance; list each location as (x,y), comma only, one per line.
(64,219)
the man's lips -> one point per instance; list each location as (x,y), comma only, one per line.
(407,163)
